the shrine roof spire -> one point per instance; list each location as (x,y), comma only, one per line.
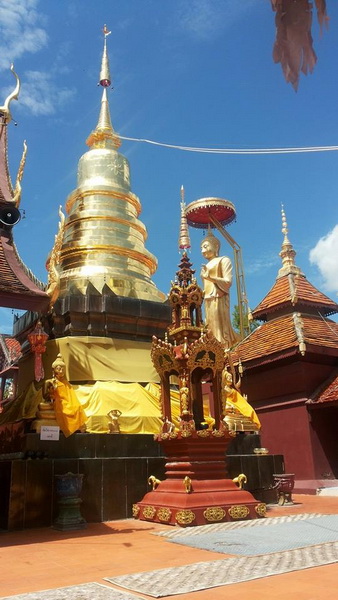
(184,238)
(104,133)
(287,252)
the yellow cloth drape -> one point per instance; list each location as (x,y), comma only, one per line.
(236,400)
(94,359)
(139,405)
(69,413)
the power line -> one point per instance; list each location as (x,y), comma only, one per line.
(238,151)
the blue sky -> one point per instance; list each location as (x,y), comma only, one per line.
(186,72)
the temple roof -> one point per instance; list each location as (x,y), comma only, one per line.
(295,314)
(287,335)
(10,352)
(327,392)
(18,286)
(292,290)
(297,293)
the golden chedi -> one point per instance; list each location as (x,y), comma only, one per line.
(103,242)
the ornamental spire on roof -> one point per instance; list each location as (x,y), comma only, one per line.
(287,252)
(184,238)
(104,135)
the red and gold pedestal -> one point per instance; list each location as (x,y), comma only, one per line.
(196,490)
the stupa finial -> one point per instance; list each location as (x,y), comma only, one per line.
(105,79)
(104,134)
(184,238)
(287,252)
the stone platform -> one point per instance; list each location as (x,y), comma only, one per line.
(115,468)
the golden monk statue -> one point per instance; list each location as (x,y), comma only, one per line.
(217,279)
(238,413)
(69,413)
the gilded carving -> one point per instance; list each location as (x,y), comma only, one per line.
(164,514)
(261,509)
(149,512)
(238,511)
(184,398)
(214,513)
(203,433)
(53,262)
(241,479)
(17,189)
(218,432)
(206,352)
(163,356)
(185,517)
(136,510)
(153,481)
(187,484)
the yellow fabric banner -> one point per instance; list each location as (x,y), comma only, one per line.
(90,359)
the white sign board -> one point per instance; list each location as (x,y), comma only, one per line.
(50,432)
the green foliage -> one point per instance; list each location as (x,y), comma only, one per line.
(236,323)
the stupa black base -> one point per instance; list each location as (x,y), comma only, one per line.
(197,490)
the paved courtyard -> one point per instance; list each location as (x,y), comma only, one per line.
(41,559)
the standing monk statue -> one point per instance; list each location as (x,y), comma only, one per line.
(217,279)
(69,413)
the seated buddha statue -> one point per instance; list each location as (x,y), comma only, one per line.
(45,414)
(238,413)
(69,414)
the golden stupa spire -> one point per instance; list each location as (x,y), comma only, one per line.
(184,238)
(103,243)
(104,135)
(287,252)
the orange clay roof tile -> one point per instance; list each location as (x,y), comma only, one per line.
(279,336)
(328,394)
(294,290)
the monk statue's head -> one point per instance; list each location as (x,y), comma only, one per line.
(210,246)
(59,367)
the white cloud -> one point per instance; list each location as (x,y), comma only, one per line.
(261,264)
(324,256)
(203,18)
(41,95)
(21,30)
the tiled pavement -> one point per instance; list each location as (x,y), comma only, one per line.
(41,559)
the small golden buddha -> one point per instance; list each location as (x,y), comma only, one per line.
(238,413)
(69,414)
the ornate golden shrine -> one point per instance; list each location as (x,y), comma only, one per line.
(193,356)
(196,490)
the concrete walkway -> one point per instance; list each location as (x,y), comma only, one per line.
(40,559)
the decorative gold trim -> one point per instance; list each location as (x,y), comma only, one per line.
(149,512)
(261,509)
(72,251)
(130,224)
(136,510)
(203,433)
(77,194)
(218,433)
(238,511)
(187,484)
(164,514)
(214,513)
(206,352)
(185,517)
